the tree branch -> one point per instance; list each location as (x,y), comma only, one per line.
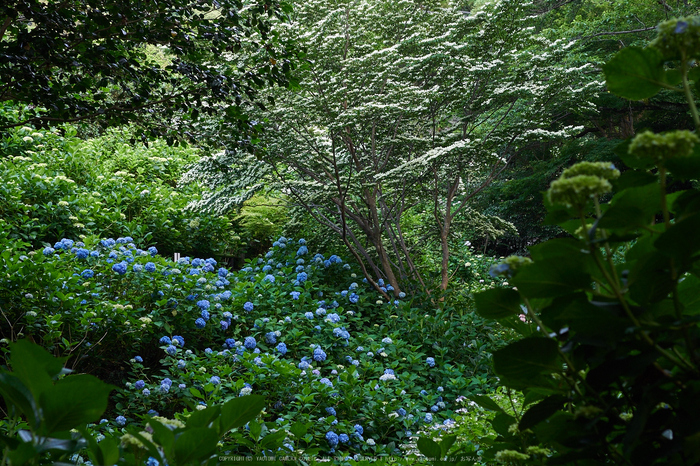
(617,33)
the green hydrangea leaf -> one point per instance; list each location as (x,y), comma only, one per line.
(526,359)
(635,73)
(497,303)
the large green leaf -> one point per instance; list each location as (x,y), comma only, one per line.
(163,436)
(204,417)
(429,448)
(239,411)
(635,73)
(689,294)
(650,280)
(633,207)
(680,241)
(685,168)
(16,393)
(195,444)
(526,359)
(72,402)
(555,277)
(541,411)
(34,366)
(497,303)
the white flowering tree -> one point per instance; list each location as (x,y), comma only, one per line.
(402,106)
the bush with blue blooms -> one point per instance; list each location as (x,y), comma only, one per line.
(261,343)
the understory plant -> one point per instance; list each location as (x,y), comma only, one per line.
(608,365)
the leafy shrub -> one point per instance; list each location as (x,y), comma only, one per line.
(609,363)
(58,186)
(344,361)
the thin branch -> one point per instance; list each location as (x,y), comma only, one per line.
(4,26)
(617,33)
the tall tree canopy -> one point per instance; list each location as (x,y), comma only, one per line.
(403,107)
(159,63)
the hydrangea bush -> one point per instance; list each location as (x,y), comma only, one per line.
(325,350)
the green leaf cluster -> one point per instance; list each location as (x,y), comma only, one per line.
(609,362)
(48,414)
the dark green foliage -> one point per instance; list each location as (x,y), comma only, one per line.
(610,365)
(53,408)
(151,62)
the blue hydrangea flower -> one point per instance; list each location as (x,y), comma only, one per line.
(205,315)
(335,318)
(319,354)
(224,325)
(137,267)
(331,411)
(269,278)
(302,251)
(430,361)
(248,306)
(326,382)
(332,438)
(343,438)
(203,304)
(121,420)
(250,343)
(309,315)
(353,298)
(138,359)
(152,461)
(165,340)
(401,412)
(215,380)
(146,392)
(200,323)
(139,384)
(171,350)
(108,243)
(178,340)
(150,267)
(428,418)
(434,408)
(440,389)
(359,429)
(181,364)
(120,268)
(282,349)
(82,253)
(207,351)
(303,365)
(87,273)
